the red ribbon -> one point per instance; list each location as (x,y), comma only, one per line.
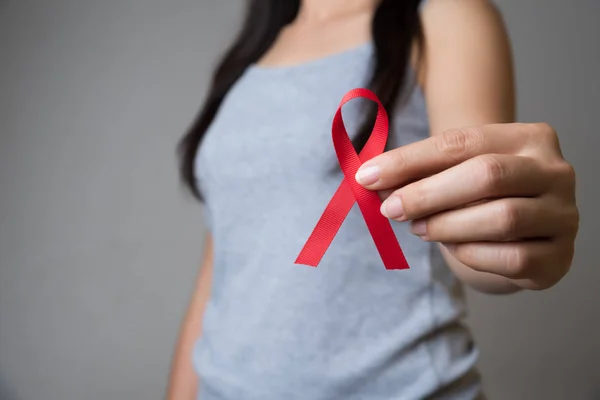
(351,191)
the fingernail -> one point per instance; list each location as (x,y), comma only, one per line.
(419,227)
(368,174)
(392,207)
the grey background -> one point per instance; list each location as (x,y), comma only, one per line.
(99,248)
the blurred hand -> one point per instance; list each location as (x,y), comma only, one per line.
(501,198)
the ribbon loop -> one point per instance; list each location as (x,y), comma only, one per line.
(351,191)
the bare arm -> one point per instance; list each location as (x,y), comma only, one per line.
(468,80)
(183,382)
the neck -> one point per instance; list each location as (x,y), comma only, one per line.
(323,10)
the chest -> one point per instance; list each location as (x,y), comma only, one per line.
(274,131)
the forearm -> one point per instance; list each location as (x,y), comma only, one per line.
(480,281)
(183,381)
(480,92)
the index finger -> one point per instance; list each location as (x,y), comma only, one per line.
(421,159)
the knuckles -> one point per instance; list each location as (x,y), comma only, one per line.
(520,262)
(510,218)
(544,139)
(565,172)
(517,261)
(491,172)
(543,132)
(457,143)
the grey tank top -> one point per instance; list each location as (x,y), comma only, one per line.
(349,329)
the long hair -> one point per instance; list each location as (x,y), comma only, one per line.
(395,28)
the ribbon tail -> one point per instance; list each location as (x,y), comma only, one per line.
(328,226)
(381,230)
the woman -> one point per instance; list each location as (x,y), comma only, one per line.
(499,198)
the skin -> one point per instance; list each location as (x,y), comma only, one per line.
(498,195)
(183,380)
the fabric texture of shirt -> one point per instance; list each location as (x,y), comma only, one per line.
(349,329)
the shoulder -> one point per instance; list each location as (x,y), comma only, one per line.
(453,11)
(451,25)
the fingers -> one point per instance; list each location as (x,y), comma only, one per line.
(482,177)
(418,160)
(507,219)
(427,157)
(501,195)
(532,264)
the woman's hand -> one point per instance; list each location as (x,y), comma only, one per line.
(501,198)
